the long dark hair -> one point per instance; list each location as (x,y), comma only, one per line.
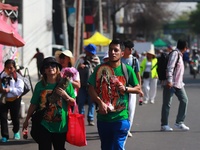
(44,77)
(10,61)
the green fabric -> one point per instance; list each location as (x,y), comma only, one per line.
(39,98)
(159,43)
(154,73)
(122,100)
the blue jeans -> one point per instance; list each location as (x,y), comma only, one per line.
(83,96)
(113,134)
(167,100)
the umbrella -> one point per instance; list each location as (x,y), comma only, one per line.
(8,7)
(98,39)
(159,43)
(8,36)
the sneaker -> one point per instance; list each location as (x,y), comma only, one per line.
(181,126)
(91,123)
(17,136)
(129,134)
(145,102)
(166,128)
(9,121)
(4,140)
(152,102)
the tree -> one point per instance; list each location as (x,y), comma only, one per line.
(194,20)
(149,18)
(148,15)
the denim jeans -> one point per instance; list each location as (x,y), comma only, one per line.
(113,134)
(83,96)
(167,100)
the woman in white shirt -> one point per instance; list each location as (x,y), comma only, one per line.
(11,89)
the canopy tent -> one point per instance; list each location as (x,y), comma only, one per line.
(97,39)
(159,43)
(8,7)
(8,29)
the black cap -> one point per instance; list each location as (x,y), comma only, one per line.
(49,60)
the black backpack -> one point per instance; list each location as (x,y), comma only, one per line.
(162,65)
(134,63)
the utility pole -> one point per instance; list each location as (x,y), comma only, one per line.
(77,28)
(100,21)
(100,18)
(64,24)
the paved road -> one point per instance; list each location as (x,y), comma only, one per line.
(146,127)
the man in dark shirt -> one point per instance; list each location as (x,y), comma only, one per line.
(39,58)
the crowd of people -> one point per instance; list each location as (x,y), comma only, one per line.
(111,87)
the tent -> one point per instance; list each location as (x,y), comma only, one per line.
(97,39)
(159,43)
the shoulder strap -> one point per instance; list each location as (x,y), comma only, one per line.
(154,66)
(134,62)
(176,60)
(1,72)
(124,69)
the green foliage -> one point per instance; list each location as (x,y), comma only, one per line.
(184,16)
(194,20)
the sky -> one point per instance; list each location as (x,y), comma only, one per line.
(182,6)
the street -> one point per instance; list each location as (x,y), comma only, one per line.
(146,126)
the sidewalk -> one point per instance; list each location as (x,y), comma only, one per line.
(26,98)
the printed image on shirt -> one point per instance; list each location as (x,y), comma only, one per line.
(106,88)
(53,111)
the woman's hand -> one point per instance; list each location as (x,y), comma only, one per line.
(25,125)
(61,92)
(65,96)
(5,90)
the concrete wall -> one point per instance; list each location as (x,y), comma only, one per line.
(37,31)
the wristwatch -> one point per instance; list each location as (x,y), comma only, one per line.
(126,89)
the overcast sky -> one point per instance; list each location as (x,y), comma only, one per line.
(179,7)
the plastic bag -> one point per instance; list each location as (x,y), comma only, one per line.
(76,128)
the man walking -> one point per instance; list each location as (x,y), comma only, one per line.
(39,58)
(109,88)
(132,61)
(174,85)
(85,68)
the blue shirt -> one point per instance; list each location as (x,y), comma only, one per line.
(129,61)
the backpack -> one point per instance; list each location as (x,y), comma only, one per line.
(134,63)
(125,72)
(162,65)
(88,70)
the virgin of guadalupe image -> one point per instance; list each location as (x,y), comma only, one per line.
(106,83)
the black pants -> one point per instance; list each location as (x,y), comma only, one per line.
(4,120)
(14,108)
(47,139)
